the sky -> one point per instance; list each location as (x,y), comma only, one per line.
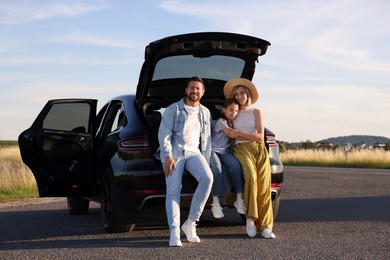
(326,73)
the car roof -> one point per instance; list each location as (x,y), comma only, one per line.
(214,56)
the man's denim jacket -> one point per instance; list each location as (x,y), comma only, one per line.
(170,133)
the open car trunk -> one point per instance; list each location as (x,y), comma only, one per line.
(171,61)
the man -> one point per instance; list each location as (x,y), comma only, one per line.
(185,142)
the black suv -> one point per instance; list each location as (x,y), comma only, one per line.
(108,156)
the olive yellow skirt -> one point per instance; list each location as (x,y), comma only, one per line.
(256,169)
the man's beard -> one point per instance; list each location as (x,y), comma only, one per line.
(193,97)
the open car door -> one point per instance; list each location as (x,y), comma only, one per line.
(58,148)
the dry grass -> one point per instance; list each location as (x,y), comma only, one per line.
(16,179)
(338,158)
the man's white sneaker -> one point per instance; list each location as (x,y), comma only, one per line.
(216,209)
(250,228)
(240,206)
(267,233)
(190,232)
(175,238)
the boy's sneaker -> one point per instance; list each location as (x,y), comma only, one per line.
(190,231)
(216,209)
(175,238)
(240,206)
(267,233)
(250,228)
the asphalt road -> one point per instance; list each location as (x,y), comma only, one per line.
(325,213)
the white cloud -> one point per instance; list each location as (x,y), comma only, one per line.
(19,11)
(54,90)
(64,60)
(192,8)
(10,46)
(89,39)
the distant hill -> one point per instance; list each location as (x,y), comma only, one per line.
(357,139)
(4,143)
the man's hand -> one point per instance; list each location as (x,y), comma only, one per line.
(169,165)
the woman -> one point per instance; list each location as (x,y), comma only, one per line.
(250,150)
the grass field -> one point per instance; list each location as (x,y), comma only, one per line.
(17,181)
(376,158)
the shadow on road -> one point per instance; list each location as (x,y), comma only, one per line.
(56,228)
(374,208)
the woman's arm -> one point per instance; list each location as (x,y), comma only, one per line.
(258,136)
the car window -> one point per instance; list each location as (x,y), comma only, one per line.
(114,117)
(186,66)
(119,119)
(68,117)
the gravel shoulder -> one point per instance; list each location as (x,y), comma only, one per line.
(32,201)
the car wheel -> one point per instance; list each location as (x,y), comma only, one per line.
(115,216)
(77,206)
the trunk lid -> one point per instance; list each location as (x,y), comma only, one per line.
(216,57)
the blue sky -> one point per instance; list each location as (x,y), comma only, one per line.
(326,73)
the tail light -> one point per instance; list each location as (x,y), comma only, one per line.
(135,143)
(150,191)
(276,185)
(270,137)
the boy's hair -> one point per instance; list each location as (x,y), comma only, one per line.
(228,102)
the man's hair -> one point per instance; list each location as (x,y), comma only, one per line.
(195,78)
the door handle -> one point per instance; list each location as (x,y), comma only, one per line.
(79,138)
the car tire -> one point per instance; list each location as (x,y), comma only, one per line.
(115,216)
(77,206)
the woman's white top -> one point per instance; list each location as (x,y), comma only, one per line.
(245,121)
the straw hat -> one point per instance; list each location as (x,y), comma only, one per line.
(227,89)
